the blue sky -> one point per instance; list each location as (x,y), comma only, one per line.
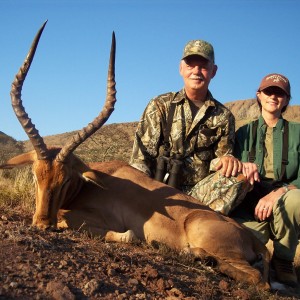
(65,87)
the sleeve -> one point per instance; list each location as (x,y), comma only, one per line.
(226,144)
(242,141)
(147,139)
(238,146)
(296,182)
(293,171)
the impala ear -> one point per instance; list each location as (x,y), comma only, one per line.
(19,160)
(93,177)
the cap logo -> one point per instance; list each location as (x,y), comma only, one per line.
(276,78)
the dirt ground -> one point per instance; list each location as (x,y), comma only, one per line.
(67,264)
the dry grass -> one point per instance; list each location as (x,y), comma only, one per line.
(17,190)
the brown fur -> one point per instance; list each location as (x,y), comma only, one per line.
(120,203)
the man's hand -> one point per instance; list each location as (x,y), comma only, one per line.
(229,166)
(250,172)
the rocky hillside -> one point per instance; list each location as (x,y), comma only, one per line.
(114,141)
(9,146)
(111,142)
(247,110)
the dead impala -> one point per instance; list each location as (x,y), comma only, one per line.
(118,202)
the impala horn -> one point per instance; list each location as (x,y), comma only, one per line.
(16,88)
(33,134)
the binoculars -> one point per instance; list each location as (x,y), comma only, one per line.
(168,170)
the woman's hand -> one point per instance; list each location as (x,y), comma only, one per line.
(264,207)
(250,171)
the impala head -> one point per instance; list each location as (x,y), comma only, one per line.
(57,172)
(53,181)
(56,184)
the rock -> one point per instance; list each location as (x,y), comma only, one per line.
(92,287)
(59,291)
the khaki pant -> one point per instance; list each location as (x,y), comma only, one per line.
(224,194)
(220,193)
(283,228)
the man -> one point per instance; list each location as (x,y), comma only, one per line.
(192,128)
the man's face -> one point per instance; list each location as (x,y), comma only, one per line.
(197,72)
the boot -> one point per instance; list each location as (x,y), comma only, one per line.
(285,271)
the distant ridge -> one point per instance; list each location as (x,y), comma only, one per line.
(247,110)
(9,147)
(114,141)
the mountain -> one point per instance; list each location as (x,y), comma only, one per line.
(114,141)
(9,147)
(248,110)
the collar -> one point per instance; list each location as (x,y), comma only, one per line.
(181,96)
(279,125)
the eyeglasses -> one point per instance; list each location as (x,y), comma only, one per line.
(274,90)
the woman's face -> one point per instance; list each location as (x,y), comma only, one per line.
(273,99)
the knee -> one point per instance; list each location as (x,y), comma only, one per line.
(291,200)
(288,205)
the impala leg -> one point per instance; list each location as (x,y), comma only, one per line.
(122,237)
(239,270)
(75,219)
(243,272)
(203,256)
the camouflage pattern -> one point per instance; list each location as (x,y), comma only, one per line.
(220,193)
(199,47)
(197,141)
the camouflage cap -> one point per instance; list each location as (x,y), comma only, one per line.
(275,79)
(199,47)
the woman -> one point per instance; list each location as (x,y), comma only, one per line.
(269,149)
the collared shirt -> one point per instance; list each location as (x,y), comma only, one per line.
(244,141)
(198,140)
(268,157)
